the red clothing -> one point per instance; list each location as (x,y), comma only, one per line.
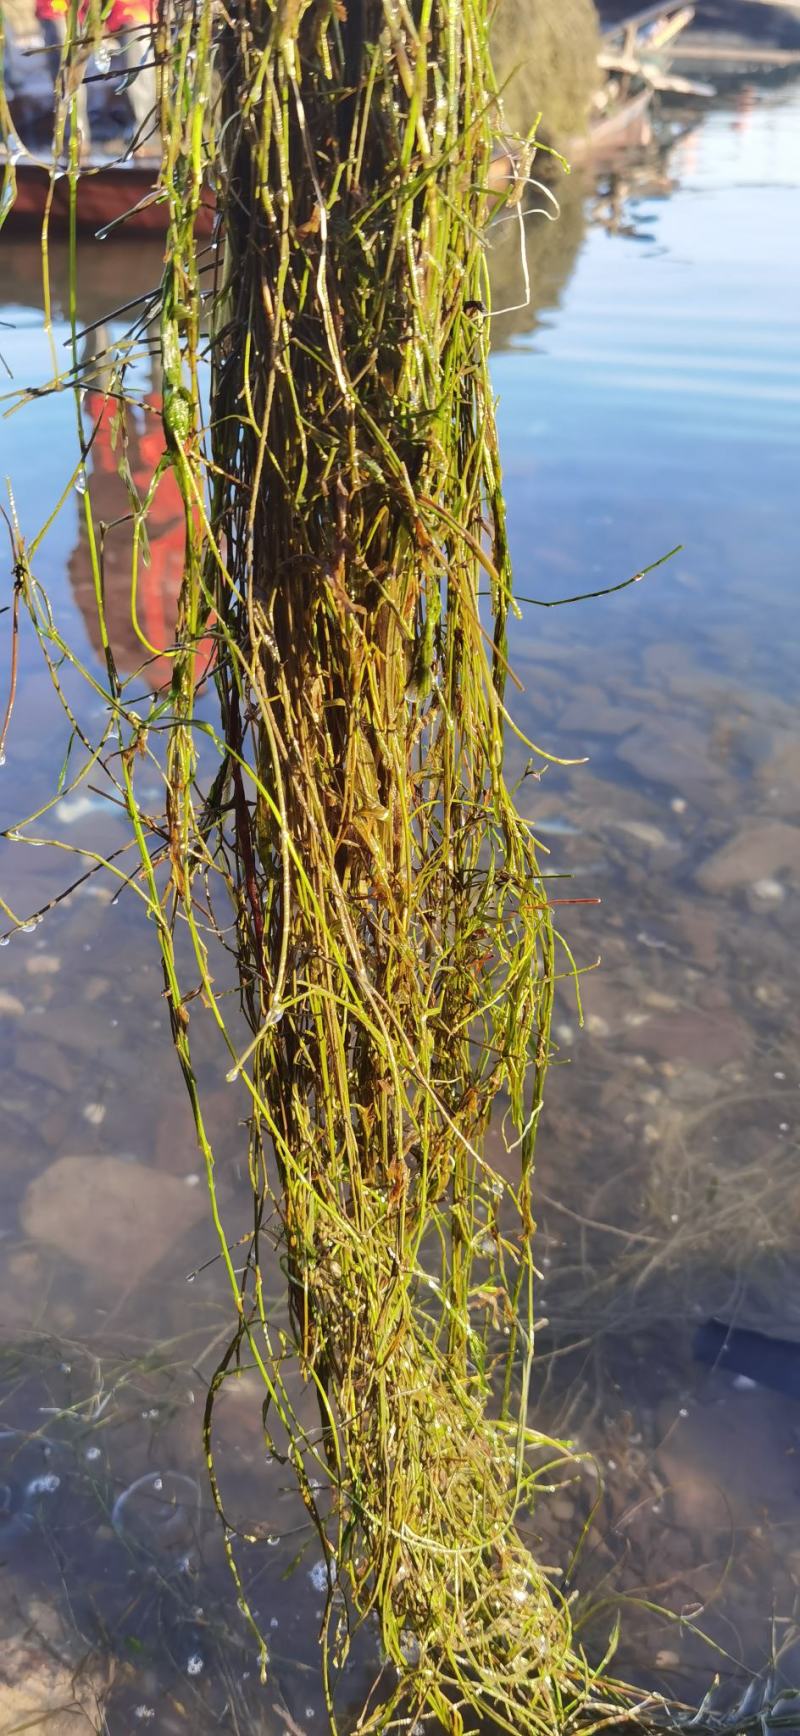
(49,9)
(123,14)
(159,582)
(130,14)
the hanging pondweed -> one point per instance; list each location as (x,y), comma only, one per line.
(345,552)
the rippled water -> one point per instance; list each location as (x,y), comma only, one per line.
(649,397)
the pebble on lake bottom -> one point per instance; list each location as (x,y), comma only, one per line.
(768,891)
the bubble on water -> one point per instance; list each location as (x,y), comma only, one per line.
(145,1714)
(195,1665)
(91,1454)
(45,1485)
(321,1574)
(158,1482)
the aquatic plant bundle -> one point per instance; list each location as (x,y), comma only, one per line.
(346,552)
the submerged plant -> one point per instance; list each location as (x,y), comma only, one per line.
(329,428)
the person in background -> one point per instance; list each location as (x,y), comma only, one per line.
(127,32)
(52,17)
(131,22)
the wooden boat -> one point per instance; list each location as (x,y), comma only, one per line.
(117,194)
(636,53)
(114,196)
(625,127)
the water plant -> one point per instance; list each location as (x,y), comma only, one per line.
(339,880)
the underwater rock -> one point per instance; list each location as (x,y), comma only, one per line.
(729,1464)
(117,1219)
(756,852)
(707,1040)
(675,753)
(39,1059)
(644,833)
(584,717)
(39,1692)
(43,964)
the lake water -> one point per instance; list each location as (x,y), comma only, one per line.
(649,397)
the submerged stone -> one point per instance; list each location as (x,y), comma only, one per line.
(754,854)
(116,1219)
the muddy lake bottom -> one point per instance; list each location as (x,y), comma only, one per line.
(649,396)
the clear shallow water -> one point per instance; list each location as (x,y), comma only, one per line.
(650,397)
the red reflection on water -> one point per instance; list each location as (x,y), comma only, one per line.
(161,558)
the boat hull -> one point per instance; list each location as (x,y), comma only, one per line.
(116,195)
